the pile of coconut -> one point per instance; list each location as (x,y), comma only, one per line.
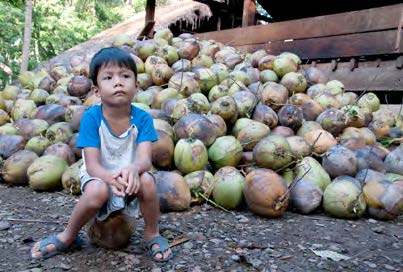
(234,128)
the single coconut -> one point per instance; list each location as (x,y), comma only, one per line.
(228,187)
(173,191)
(265,193)
(15,167)
(45,173)
(225,151)
(343,198)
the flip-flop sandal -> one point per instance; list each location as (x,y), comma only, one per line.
(163,245)
(60,247)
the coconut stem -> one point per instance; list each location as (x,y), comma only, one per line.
(283,197)
(211,202)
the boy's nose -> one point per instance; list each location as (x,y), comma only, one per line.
(118,82)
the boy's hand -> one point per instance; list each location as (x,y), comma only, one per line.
(118,185)
(131,180)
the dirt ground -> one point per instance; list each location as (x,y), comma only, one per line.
(207,239)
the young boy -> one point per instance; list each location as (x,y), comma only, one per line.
(116,138)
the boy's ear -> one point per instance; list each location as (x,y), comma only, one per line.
(95,90)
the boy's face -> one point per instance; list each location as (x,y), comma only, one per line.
(116,85)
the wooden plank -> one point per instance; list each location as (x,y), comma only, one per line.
(362,44)
(369,75)
(382,78)
(374,19)
(249,10)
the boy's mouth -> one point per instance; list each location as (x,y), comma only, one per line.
(119,92)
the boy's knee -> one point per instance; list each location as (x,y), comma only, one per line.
(147,183)
(97,193)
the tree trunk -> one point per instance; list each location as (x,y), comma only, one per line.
(27,36)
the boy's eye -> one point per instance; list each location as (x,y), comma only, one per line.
(107,77)
(126,75)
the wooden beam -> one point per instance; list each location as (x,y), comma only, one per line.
(150,11)
(249,10)
(351,45)
(367,20)
(147,31)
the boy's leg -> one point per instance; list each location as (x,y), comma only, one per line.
(96,193)
(149,207)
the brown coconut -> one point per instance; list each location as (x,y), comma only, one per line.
(173,191)
(265,193)
(113,233)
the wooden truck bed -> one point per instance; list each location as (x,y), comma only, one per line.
(361,48)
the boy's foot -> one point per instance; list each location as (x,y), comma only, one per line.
(52,246)
(158,247)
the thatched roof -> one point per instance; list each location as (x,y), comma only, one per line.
(191,12)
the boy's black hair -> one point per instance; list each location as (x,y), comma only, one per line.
(111,55)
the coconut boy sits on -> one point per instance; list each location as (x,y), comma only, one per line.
(116,138)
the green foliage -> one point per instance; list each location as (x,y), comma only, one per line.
(58,25)
(11,25)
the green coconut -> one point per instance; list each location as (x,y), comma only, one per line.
(15,167)
(294,82)
(200,182)
(164,33)
(190,155)
(268,76)
(272,152)
(284,65)
(225,107)
(343,198)
(10,92)
(8,129)
(334,87)
(46,172)
(23,109)
(122,39)
(240,124)
(309,168)
(38,144)
(206,78)
(228,188)
(59,132)
(369,101)
(393,177)
(185,83)
(225,151)
(163,95)
(250,135)
(39,96)
(71,181)
(4,117)
(27,79)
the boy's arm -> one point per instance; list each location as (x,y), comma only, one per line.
(142,164)
(95,169)
(143,157)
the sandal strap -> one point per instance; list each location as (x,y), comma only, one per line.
(52,240)
(162,243)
